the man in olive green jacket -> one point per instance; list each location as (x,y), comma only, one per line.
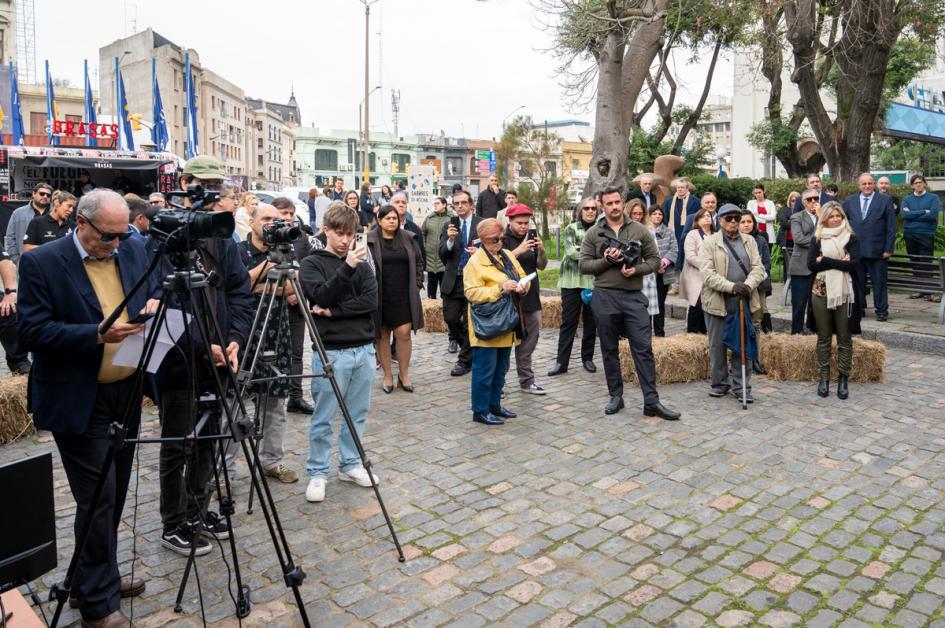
(619,305)
(433,225)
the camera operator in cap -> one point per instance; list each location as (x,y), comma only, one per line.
(184,483)
(619,305)
(731,270)
(67,288)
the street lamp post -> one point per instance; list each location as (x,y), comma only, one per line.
(367,104)
(362,132)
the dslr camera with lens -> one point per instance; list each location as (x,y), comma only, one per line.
(181,227)
(281,231)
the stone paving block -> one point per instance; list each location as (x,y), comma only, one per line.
(901,582)
(909,619)
(802,602)
(559,620)
(924,603)
(824,618)
(730,619)
(642,595)
(871,614)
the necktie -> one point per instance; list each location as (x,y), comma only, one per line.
(464,256)
(864,209)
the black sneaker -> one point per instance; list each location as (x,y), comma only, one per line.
(215,526)
(179,539)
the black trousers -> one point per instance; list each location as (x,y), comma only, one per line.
(184,467)
(800,300)
(97,583)
(659,321)
(455,311)
(617,313)
(695,319)
(920,244)
(297,335)
(434,280)
(571,308)
(11,348)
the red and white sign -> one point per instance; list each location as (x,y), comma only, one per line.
(71,128)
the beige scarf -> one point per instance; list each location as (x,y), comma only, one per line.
(833,243)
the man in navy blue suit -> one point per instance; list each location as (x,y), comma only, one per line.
(67,288)
(873,218)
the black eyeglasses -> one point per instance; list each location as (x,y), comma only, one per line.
(491,240)
(44,193)
(811,198)
(108,237)
(591,207)
(730,217)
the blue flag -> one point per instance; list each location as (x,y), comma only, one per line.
(159,122)
(193,143)
(16,114)
(89,107)
(125,139)
(51,138)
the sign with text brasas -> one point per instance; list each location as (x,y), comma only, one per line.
(420,191)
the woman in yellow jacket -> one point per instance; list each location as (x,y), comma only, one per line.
(485,281)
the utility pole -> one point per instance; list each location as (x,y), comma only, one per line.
(366,170)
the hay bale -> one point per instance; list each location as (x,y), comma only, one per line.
(794,358)
(15,421)
(433,316)
(680,358)
(551,312)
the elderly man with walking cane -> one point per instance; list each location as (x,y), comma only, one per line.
(731,272)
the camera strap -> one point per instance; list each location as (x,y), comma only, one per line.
(741,264)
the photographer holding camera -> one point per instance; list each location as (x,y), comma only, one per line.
(265,222)
(619,305)
(184,473)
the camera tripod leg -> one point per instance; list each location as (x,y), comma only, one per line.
(349,422)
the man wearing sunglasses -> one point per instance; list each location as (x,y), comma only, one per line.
(20,220)
(803,226)
(67,288)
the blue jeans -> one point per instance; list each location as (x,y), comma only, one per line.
(354,372)
(489,366)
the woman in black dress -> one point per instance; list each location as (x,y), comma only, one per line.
(399,271)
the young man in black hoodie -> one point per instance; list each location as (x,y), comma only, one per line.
(342,291)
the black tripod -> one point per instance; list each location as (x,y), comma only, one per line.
(190,287)
(282,276)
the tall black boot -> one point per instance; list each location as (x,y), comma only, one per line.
(823,389)
(842,390)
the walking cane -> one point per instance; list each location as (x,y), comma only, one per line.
(741,340)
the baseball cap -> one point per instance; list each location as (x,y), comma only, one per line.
(205,167)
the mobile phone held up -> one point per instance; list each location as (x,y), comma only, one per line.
(454,220)
(360,241)
(532,234)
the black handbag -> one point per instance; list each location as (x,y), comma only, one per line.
(496,318)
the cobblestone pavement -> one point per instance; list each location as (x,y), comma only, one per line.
(800,510)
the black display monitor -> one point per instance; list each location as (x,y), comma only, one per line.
(27,520)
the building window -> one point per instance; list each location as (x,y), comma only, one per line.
(176,119)
(176,82)
(454,165)
(399,163)
(575,164)
(213,102)
(372,161)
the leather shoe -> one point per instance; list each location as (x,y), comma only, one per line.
(299,406)
(757,368)
(589,366)
(458,370)
(502,413)
(487,418)
(661,411)
(823,388)
(129,588)
(557,369)
(115,620)
(842,391)
(614,405)
(882,318)
(453,348)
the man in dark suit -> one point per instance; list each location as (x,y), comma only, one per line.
(67,288)
(645,193)
(873,218)
(813,182)
(456,245)
(884,185)
(139,217)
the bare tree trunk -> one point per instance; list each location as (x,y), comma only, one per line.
(693,119)
(622,69)
(870,30)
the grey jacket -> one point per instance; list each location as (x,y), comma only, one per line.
(802,230)
(669,249)
(16,230)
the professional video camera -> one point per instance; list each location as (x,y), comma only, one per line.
(182,227)
(281,232)
(630,249)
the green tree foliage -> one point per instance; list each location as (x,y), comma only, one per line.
(890,153)
(644,150)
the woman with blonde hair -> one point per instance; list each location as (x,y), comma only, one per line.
(833,258)
(248,203)
(635,210)
(490,276)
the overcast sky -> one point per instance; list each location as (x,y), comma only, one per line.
(461,66)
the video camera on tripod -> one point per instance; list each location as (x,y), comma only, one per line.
(630,249)
(182,227)
(281,231)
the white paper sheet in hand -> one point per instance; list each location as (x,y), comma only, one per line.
(129,352)
(527,279)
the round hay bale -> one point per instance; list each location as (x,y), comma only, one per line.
(15,421)
(794,358)
(680,358)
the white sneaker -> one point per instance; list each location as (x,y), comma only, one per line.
(358,475)
(534,389)
(315,491)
